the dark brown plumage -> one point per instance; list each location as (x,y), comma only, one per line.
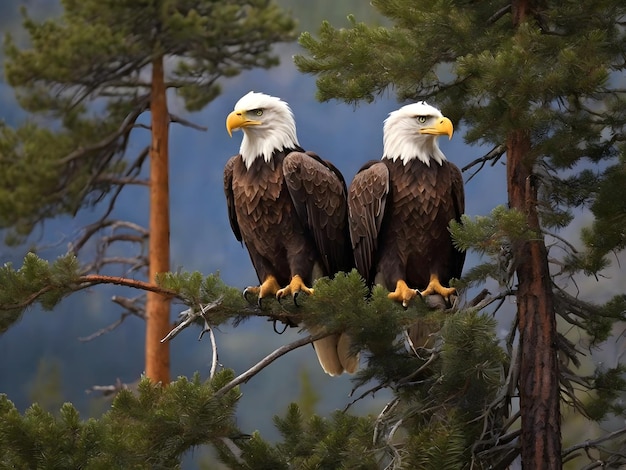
(291,215)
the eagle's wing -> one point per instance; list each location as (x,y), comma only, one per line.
(458,200)
(230,198)
(367,198)
(318,192)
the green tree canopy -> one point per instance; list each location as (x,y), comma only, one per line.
(85,79)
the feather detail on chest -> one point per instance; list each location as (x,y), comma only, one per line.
(259,191)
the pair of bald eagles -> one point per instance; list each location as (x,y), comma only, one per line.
(299,221)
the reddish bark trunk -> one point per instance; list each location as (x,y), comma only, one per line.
(538,381)
(539,373)
(158,305)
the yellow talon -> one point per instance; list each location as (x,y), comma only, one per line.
(296,286)
(403,293)
(269,288)
(435,287)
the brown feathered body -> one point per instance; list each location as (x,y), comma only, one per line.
(291,214)
(399,222)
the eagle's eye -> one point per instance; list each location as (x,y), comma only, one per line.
(421,119)
(258,112)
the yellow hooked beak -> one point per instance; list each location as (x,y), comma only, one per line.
(442,127)
(237,120)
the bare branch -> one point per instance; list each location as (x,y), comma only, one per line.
(91,229)
(493,156)
(191,315)
(124,128)
(595,442)
(186,123)
(214,356)
(258,367)
(109,389)
(104,330)
(130,305)
(499,14)
(121,181)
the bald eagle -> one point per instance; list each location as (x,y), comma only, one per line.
(400,208)
(289,208)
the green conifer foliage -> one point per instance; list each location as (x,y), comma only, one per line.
(84,77)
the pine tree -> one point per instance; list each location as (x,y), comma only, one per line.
(539,81)
(89,77)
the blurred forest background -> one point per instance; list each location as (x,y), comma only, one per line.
(45,358)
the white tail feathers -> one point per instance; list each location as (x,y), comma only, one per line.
(335,356)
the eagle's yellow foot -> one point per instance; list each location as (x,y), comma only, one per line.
(269,288)
(295,287)
(403,293)
(435,287)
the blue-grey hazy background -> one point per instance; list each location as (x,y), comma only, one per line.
(201,240)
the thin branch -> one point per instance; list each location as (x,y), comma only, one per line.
(126,126)
(105,330)
(482,295)
(595,442)
(488,300)
(121,181)
(95,279)
(499,14)
(493,155)
(130,305)
(91,229)
(186,123)
(131,309)
(86,281)
(371,391)
(191,315)
(109,389)
(214,356)
(247,375)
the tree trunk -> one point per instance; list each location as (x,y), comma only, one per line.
(158,305)
(539,374)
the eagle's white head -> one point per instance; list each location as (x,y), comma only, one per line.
(412,132)
(267,124)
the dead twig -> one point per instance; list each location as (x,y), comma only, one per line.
(492,156)
(105,330)
(267,360)
(190,316)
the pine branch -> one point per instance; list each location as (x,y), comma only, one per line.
(89,280)
(86,281)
